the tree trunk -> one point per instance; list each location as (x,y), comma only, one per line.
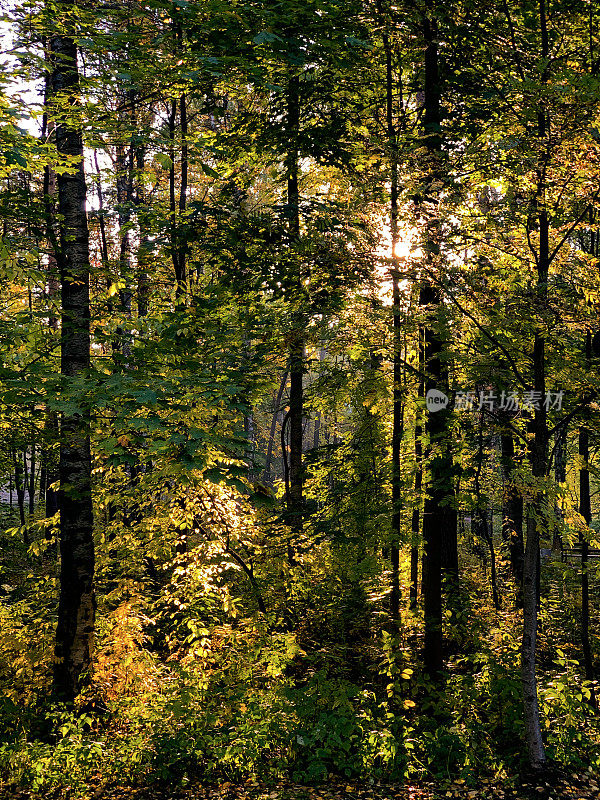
(317,431)
(76,610)
(414,549)
(183,186)
(512,514)
(539,448)
(295,499)
(439,514)
(439,518)
(48,456)
(43,479)
(124,179)
(20,489)
(489,528)
(533,731)
(143,283)
(276,411)
(398,394)
(397,431)
(51,467)
(318,419)
(485,525)
(560,476)
(31,487)
(178,266)
(585,509)
(535,746)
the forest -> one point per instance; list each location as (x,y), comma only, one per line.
(300,399)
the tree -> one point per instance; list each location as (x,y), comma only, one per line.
(77,605)
(439,512)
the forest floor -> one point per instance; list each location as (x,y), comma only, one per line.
(583,786)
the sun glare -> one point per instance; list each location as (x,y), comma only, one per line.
(406,251)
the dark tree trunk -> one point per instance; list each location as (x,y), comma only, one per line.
(318,419)
(531,565)
(143,260)
(25,470)
(183,186)
(76,610)
(276,412)
(125,167)
(398,388)
(20,489)
(560,476)
(512,515)
(43,479)
(493,576)
(439,517)
(585,509)
(51,466)
(560,455)
(48,455)
(539,449)
(295,497)
(535,744)
(397,432)
(31,487)
(439,514)
(124,176)
(143,283)
(484,517)
(317,431)
(414,549)
(178,266)
(398,394)
(295,500)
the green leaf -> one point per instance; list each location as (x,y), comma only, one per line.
(14,156)
(207,170)
(163,160)
(265,37)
